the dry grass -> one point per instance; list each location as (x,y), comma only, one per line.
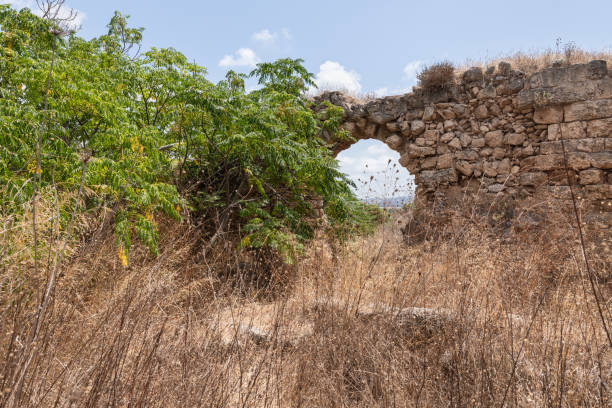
(511,323)
(437,77)
(531,62)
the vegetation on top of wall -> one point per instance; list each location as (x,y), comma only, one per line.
(437,77)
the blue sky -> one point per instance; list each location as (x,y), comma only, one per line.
(358,45)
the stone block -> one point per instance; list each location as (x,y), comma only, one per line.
(488,92)
(449,125)
(591,176)
(599,128)
(494,138)
(571,130)
(429,113)
(504,167)
(478,142)
(543,162)
(445,161)
(548,114)
(431,135)
(481,112)
(447,137)
(419,151)
(465,140)
(436,177)
(472,75)
(579,160)
(393,127)
(589,145)
(429,163)
(602,160)
(551,147)
(496,188)
(404,128)
(588,110)
(417,127)
(455,144)
(535,178)
(394,141)
(489,169)
(464,168)
(447,114)
(515,139)
(499,153)
(468,154)
(599,192)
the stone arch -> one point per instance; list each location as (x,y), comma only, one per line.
(497,132)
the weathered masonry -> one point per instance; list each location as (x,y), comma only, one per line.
(499,132)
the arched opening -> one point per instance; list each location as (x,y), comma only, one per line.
(378,176)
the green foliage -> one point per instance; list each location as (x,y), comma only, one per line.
(158,137)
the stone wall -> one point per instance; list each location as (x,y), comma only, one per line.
(499,132)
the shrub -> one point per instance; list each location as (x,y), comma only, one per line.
(437,77)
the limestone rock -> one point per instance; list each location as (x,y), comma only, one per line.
(499,153)
(488,92)
(436,177)
(543,162)
(579,160)
(601,160)
(431,135)
(515,139)
(394,141)
(449,125)
(478,142)
(466,140)
(494,138)
(588,110)
(591,176)
(429,113)
(445,161)
(600,128)
(447,137)
(504,167)
(464,168)
(393,127)
(548,114)
(472,76)
(455,144)
(417,127)
(418,151)
(469,155)
(496,188)
(405,128)
(536,178)
(481,112)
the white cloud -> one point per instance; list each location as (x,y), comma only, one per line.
(242,57)
(411,70)
(265,36)
(333,76)
(65,12)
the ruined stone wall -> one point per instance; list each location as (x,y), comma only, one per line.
(499,132)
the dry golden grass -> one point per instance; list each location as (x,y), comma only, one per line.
(437,77)
(509,322)
(531,62)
